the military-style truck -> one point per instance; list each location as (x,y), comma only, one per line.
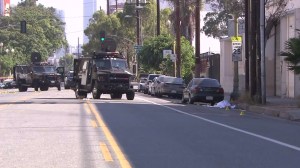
(102,73)
(37,75)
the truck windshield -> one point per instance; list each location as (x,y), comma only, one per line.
(103,64)
(107,64)
(41,69)
(119,64)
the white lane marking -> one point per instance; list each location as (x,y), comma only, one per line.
(229,127)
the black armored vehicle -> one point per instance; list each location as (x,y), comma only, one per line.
(102,73)
(37,75)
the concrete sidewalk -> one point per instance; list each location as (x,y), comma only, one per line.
(286,108)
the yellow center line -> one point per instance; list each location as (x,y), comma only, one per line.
(94,124)
(87,109)
(105,152)
(113,143)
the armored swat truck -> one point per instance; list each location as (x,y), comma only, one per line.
(102,73)
(37,75)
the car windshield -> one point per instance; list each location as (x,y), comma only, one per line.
(173,80)
(41,69)
(204,82)
(151,77)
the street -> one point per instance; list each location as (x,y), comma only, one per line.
(53,129)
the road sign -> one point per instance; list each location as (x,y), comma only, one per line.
(236,48)
(166,53)
(138,47)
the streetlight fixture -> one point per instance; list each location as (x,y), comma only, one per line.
(138,40)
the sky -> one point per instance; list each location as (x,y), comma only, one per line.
(73,10)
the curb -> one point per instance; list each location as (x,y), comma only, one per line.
(284,113)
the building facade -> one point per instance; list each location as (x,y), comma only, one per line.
(279,80)
(5,7)
(89,8)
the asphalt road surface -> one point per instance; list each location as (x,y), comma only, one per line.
(52,129)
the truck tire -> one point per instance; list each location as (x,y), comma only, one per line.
(130,95)
(80,94)
(23,88)
(95,92)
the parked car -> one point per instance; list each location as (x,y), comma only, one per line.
(205,90)
(149,81)
(142,84)
(8,84)
(152,86)
(2,86)
(170,86)
(69,80)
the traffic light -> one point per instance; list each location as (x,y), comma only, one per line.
(23,26)
(102,36)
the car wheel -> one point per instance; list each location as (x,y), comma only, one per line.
(96,93)
(59,88)
(36,89)
(130,95)
(191,101)
(212,103)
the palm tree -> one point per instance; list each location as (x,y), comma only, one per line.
(292,53)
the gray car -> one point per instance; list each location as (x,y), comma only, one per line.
(170,86)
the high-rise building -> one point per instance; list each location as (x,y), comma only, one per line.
(89,8)
(5,7)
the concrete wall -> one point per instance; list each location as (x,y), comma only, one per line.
(227,65)
(290,83)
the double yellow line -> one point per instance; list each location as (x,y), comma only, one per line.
(113,143)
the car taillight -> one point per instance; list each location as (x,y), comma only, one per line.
(220,90)
(198,89)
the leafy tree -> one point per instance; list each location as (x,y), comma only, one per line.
(45,33)
(187,15)
(292,53)
(216,22)
(67,62)
(151,56)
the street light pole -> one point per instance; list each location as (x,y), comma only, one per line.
(178,47)
(158,17)
(137,23)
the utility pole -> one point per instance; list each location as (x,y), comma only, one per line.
(138,40)
(246,46)
(253,32)
(78,48)
(158,18)
(235,91)
(107,10)
(197,40)
(258,51)
(138,34)
(262,51)
(178,47)
(116,6)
